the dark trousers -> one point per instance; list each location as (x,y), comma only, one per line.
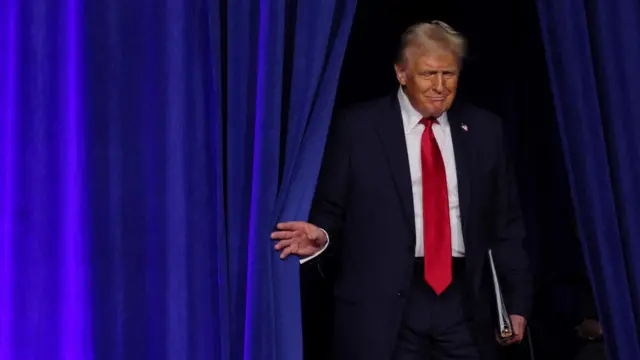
(592,351)
(436,327)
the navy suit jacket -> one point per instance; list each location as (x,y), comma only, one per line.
(364,202)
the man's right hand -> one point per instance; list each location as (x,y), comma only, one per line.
(298,238)
(589,330)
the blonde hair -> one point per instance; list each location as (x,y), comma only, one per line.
(433,36)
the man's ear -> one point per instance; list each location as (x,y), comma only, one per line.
(401,74)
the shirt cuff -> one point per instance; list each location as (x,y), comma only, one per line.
(311,257)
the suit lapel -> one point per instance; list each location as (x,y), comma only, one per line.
(391,132)
(460,137)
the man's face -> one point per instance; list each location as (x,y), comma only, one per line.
(430,81)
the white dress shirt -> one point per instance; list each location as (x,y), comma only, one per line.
(413,130)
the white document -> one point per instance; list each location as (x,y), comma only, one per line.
(505,329)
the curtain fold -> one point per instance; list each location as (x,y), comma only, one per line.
(268,107)
(593,52)
(147,150)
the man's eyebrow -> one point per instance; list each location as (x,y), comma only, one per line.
(438,70)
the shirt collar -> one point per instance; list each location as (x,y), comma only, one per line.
(411,117)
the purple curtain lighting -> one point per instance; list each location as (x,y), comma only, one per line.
(44,260)
(593,52)
(147,149)
(7,158)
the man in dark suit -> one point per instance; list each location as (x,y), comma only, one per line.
(414,190)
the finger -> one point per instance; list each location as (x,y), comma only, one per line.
(282,235)
(502,340)
(282,244)
(518,338)
(288,251)
(291,225)
(518,325)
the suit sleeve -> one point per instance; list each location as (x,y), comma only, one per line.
(328,207)
(511,258)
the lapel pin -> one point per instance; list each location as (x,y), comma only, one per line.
(464,127)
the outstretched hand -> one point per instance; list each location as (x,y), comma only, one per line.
(298,238)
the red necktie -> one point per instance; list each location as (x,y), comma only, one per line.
(435,214)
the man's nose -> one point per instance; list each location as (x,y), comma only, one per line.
(439,83)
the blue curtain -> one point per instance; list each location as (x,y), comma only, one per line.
(593,53)
(146,151)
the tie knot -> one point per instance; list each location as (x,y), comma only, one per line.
(428,121)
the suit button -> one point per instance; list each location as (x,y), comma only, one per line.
(400,294)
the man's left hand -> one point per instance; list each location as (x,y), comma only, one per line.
(519,325)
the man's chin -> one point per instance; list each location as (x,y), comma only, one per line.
(434,112)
